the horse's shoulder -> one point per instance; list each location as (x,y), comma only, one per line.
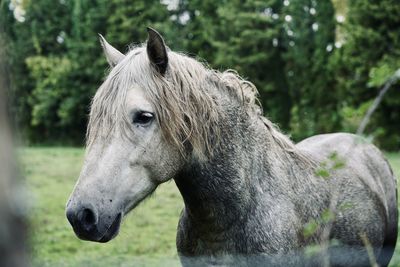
(341,143)
(328,140)
(354,149)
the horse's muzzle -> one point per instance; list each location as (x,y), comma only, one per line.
(88,226)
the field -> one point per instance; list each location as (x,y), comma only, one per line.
(147,236)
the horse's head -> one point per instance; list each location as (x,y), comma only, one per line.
(127,155)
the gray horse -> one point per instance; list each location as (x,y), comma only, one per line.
(251,196)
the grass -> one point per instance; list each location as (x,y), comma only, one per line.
(147,236)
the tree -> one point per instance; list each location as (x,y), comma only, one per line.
(308,83)
(58,63)
(33,35)
(369,56)
(85,66)
(309,41)
(241,35)
(128,20)
(17,45)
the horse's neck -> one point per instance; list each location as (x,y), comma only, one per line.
(220,193)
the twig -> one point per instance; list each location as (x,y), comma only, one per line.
(370,252)
(394,78)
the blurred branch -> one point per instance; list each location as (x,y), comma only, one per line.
(370,250)
(393,79)
(12,215)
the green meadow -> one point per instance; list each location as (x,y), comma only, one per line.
(147,236)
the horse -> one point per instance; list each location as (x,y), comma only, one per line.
(251,196)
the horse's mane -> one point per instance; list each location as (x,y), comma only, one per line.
(184,105)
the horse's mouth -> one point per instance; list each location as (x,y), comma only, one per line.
(113,230)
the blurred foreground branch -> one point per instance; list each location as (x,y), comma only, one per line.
(12,212)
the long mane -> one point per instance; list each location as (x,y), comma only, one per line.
(185,109)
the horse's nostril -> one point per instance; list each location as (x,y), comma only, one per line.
(71,216)
(87,218)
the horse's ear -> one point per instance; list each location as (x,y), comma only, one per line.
(156,51)
(113,56)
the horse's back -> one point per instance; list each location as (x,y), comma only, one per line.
(362,177)
(350,154)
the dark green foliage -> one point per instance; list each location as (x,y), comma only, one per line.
(306,84)
(252,48)
(37,83)
(370,55)
(57,62)
(241,35)
(18,46)
(310,37)
(127,21)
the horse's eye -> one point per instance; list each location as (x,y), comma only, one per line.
(143,117)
